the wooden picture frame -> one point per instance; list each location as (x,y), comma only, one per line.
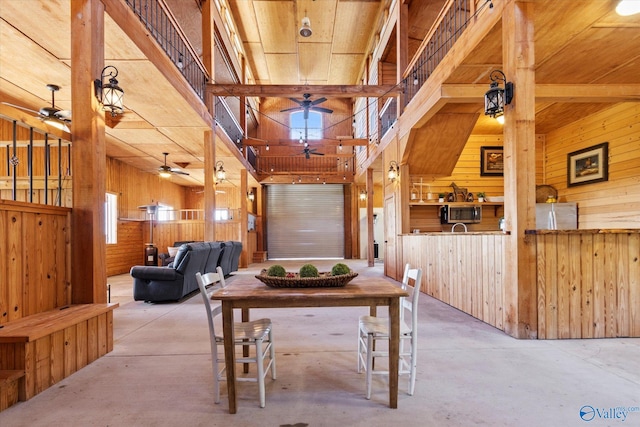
(588,165)
(491,161)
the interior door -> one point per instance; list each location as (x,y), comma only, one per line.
(390,236)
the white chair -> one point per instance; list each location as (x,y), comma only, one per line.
(257,333)
(372,329)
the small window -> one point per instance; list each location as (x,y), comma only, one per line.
(313,125)
(111,218)
(222,214)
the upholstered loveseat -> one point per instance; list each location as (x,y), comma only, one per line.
(177,280)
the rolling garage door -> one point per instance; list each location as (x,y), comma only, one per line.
(305,221)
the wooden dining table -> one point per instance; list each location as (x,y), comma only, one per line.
(246,292)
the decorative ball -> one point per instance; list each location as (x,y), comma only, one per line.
(276,271)
(308,270)
(340,269)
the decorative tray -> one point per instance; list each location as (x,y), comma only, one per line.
(325,279)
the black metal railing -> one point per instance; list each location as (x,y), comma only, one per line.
(388,115)
(157,18)
(441,39)
(227,121)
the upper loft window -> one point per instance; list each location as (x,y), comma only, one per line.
(313,125)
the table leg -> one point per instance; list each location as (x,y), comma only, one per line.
(229,354)
(394,350)
(245,349)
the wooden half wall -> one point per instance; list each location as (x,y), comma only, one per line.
(35,266)
(588,283)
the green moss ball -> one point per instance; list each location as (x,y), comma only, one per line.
(276,271)
(340,269)
(308,270)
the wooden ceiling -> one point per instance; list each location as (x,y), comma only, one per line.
(576,43)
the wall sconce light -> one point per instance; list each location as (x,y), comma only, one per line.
(497,97)
(394,171)
(251,196)
(109,94)
(363,195)
(221,175)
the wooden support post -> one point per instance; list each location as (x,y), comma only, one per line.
(244,218)
(88,245)
(519,170)
(370,242)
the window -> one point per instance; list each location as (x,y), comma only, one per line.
(222,214)
(313,125)
(166,213)
(111,218)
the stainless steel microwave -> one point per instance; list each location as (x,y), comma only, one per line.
(450,214)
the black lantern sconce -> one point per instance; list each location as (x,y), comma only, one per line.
(251,196)
(394,171)
(497,97)
(363,195)
(110,95)
(221,175)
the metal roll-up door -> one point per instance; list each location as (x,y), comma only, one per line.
(305,221)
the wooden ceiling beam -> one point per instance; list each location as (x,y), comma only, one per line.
(469,93)
(346,142)
(296,91)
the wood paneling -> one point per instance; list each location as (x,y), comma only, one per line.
(463,270)
(588,284)
(34,259)
(616,202)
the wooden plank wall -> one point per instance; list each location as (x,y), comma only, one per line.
(463,270)
(588,284)
(611,204)
(129,250)
(35,264)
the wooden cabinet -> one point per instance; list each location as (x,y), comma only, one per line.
(425,216)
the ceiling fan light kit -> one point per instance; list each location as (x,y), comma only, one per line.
(166,171)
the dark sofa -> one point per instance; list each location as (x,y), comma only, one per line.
(177,280)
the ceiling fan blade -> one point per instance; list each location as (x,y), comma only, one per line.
(318,154)
(20,107)
(290,109)
(318,101)
(63,114)
(321,109)
(178,171)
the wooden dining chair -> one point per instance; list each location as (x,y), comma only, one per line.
(256,333)
(372,329)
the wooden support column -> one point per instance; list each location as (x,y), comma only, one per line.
(209,186)
(88,244)
(370,254)
(209,139)
(244,218)
(402,48)
(519,170)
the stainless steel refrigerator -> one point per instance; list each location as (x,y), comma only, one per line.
(556,216)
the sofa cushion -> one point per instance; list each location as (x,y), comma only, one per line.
(181,256)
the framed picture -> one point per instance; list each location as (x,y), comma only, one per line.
(588,165)
(491,161)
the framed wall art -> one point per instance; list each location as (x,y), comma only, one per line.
(491,161)
(588,165)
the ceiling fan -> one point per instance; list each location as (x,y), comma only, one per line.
(166,171)
(307,104)
(50,115)
(309,151)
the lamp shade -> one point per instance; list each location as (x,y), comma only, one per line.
(112,97)
(494,100)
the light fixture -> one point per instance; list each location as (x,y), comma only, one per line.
(497,97)
(180,62)
(363,195)
(340,147)
(109,94)
(628,7)
(251,196)
(415,78)
(305,30)
(267,147)
(394,171)
(221,175)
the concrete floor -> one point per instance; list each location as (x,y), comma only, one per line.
(469,374)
